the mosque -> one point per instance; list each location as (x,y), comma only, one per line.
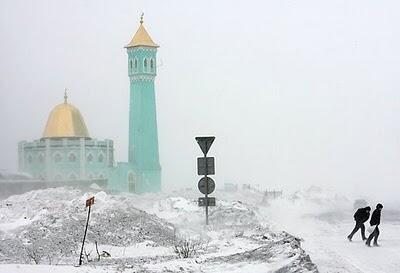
(66,153)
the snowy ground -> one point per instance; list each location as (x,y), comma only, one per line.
(333,253)
(324,223)
(245,233)
(140,233)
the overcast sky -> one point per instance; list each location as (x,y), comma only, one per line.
(297,93)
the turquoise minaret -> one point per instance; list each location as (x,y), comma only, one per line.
(143,137)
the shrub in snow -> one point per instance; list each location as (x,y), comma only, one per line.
(35,252)
(188,247)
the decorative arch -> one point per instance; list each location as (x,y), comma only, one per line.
(29,158)
(100,157)
(135,64)
(152,65)
(57,157)
(72,157)
(89,157)
(41,157)
(102,176)
(145,65)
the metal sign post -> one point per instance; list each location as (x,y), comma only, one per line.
(206,166)
(89,203)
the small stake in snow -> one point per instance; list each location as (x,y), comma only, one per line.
(205,166)
(89,203)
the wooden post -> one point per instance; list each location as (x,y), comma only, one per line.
(89,204)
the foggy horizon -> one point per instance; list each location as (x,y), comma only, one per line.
(297,94)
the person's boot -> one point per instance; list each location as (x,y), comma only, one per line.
(364,239)
(376,244)
(349,238)
(368,243)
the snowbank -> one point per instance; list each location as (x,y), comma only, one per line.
(50,223)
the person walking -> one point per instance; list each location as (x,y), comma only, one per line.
(361,216)
(375,221)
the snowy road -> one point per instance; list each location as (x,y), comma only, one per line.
(331,251)
(326,243)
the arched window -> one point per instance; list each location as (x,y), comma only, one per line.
(101,158)
(101,176)
(72,157)
(151,65)
(136,64)
(41,158)
(89,158)
(30,159)
(145,65)
(57,157)
(130,64)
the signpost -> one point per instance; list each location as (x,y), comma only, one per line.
(206,185)
(206,166)
(89,203)
(203,202)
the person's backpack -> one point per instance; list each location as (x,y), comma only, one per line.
(357,215)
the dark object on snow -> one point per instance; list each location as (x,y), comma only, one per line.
(361,216)
(376,215)
(375,221)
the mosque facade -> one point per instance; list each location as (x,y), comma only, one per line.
(67,153)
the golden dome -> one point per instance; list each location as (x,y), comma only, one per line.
(141,37)
(65,120)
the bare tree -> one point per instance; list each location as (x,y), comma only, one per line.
(186,248)
(87,255)
(35,252)
(97,251)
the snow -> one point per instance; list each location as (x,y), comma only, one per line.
(22,268)
(323,221)
(146,248)
(333,253)
(246,234)
(50,223)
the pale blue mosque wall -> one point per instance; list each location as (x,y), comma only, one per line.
(66,159)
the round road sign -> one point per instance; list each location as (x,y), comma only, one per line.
(202,185)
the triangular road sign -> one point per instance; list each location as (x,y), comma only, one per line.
(205,143)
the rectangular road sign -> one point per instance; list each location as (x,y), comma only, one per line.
(90,201)
(201,165)
(203,201)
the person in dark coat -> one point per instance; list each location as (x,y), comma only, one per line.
(361,216)
(375,221)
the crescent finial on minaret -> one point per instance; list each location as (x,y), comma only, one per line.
(65,96)
(141,18)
